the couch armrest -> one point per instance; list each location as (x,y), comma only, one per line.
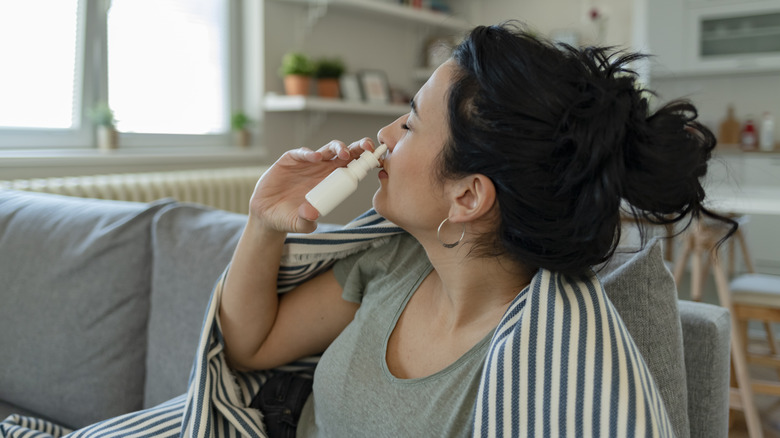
(706,330)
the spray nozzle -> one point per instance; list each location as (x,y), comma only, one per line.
(380,150)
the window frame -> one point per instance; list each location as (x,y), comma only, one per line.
(91,77)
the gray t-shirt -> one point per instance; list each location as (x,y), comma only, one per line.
(354,392)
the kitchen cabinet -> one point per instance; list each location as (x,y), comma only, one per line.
(705,37)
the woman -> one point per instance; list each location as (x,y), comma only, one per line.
(512,164)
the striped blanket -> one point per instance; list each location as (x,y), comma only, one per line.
(561,363)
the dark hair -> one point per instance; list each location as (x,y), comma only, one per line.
(566,136)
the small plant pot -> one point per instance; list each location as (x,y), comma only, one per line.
(107,138)
(297,85)
(328,88)
(242,137)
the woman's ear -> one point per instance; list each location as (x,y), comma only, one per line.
(472,198)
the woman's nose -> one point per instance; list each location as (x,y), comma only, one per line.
(389,133)
(381,136)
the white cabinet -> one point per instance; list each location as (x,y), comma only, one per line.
(743,36)
(714,36)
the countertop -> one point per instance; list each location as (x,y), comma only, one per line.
(735,149)
(748,200)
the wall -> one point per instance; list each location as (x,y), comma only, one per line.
(751,94)
(365,42)
(549,16)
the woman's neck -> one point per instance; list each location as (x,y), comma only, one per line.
(473,290)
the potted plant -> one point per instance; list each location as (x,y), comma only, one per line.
(328,71)
(103,118)
(239,123)
(296,70)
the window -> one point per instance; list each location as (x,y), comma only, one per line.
(38,78)
(173,58)
(162,66)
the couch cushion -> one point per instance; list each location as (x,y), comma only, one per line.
(643,291)
(192,245)
(75,289)
(7,409)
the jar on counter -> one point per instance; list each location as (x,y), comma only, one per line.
(748,139)
(767,133)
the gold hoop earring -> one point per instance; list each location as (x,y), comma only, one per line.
(453,244)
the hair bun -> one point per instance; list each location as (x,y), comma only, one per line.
(566,136)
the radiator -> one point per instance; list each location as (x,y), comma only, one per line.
(226,189)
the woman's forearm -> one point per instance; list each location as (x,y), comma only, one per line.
(249,298)
(249,305)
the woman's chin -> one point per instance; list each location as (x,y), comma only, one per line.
(378,203)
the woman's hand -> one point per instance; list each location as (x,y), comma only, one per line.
(278,201)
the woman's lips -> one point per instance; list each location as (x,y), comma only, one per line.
(382,174)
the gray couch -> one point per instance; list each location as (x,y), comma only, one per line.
(102,303)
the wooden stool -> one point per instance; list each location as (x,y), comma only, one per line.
(700,237)
(757,297)
(700,246)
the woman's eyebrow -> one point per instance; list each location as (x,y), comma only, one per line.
(413,105)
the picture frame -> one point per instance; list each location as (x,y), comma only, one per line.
(375,86)
(350,88)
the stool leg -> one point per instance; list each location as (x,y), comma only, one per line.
(732,384)
(743,331)
(745,255)
(706,267)
(731,245)
(696,275)
(669,243)
(738,355)
(770,338)
(679,266)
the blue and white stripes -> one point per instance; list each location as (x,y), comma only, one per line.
(561,363)
(28,427)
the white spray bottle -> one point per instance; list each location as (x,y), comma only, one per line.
(343,181)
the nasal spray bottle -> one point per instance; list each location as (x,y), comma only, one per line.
(343,181)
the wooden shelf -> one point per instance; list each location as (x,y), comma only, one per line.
(276,103)
(390,10)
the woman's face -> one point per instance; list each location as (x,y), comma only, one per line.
(410,194)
